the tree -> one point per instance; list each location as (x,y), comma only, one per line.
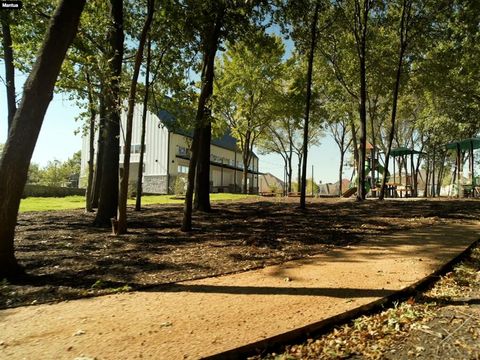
(122,206)
(339,129)
(308,100)
(212,22)
(404,28)
(138,200)
(9,67)
(38,92)
(108,191)
(245,83)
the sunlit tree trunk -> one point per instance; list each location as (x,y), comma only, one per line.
(108,201)
(91,145)
(123,191)
(138,200)
(9,68)
(26,125)
(202,110)
(308,104)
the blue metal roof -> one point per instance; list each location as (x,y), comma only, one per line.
(225,141)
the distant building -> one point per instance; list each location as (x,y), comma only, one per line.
(330,189)
(167,155)
(270,183)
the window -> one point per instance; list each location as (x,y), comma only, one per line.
(135,149)
(182,169)
(182,151)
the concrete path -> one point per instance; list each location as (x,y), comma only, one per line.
(202,318)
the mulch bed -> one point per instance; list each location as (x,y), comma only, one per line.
(66,257)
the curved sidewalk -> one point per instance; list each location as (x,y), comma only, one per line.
(196,319)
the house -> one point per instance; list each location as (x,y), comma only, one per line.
(270,183)
(167,154)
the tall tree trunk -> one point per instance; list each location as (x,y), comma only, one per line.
(355,145)
(37,94)
(91,143)
(138,200)
(9,68)
(202,186)
(441,175)
(290,169)
(246,161)
(362,26)
(427,179)
(97,173)
(299,171)
(246,158)
(205,94)
(313,43)
(340,173)
(403,47)
(123,191)
(108,201)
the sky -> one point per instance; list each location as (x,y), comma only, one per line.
(58,141)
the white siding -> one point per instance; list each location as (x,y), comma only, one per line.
(156,140)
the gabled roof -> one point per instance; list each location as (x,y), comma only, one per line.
(226,141)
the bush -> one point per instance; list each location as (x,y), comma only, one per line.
(50,191)
(180,185)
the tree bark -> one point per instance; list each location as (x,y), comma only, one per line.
(9,68)
(403,47)
(340,173)
(308,105)
(97,173)
(206,92)
(202,186)
(123,191)
(91,142)
(138,199)
(108,200)
(362,26)
(37,94)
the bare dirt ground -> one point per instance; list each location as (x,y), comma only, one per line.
(67,258)
(441,322)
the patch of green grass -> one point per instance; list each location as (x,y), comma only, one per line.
(78,202)
(52,203)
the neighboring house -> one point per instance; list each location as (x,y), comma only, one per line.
(330,189)
(167,156)
(270,183)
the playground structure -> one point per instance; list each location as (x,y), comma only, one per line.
(408,188)
(465,186)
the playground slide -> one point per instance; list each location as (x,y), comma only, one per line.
(350,192)
(353,189)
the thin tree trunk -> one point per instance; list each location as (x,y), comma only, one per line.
(37,94)
(97,173)
(123,191)
(290,170)
(427,178)
(363,98)
(205,94)
(108,201)
(9,68)
(340,173)
(403,47)
(308,104)
(91,142)
(138,200)
(202,186)
(355,145)
(441,175)
(299,172)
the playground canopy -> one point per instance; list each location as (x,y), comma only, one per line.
(469,145)
(465,144)
(401,151)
